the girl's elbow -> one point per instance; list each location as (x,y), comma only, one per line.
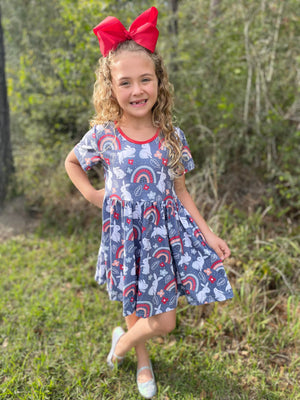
(67,163)
(70,159)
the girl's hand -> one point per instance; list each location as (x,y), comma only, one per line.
(96,197)
(219,245)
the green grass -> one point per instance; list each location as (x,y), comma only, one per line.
(56,322)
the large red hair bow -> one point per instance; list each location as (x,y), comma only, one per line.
(110,32)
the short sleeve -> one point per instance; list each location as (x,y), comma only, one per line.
(87,151)
(187,159)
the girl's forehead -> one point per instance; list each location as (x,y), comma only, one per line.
(126,60)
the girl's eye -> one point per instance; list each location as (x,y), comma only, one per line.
(146,80)
(125,83)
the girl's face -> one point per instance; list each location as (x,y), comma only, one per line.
(135,85)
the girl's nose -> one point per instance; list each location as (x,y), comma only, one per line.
(137,89)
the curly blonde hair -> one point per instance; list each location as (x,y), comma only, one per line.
(108,109)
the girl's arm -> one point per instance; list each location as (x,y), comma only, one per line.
(81,181)
(213,240)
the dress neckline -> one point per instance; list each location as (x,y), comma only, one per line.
(138,141)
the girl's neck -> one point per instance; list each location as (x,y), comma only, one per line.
(138,130)
(136,124)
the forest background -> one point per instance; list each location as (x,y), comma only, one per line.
(235,67)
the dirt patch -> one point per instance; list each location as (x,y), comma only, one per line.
(15,220)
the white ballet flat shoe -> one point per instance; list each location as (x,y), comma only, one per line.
(147,389)
(116,334)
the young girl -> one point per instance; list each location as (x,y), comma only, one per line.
(155,245)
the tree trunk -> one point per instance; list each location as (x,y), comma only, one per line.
(6,160)
(173,30)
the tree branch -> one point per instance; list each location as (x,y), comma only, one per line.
(275,41)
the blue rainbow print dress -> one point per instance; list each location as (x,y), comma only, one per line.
(151,250)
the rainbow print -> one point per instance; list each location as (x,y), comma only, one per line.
(186,153)
(163,253)
(135,233)
(108,142)
(152,213)
(161,144)
(171,285)
(115,197)
(130,290)
(169,200)
(190,282)
(143,175)
(95,159)
(120,252)
(145,309)
(106,226)
(197,233)
(110,278)
(176,240)
(217,264)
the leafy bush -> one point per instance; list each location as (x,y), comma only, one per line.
(234,97)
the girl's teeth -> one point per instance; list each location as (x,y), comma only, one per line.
(139,102)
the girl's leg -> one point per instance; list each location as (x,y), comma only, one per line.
(141,351)
(144,329)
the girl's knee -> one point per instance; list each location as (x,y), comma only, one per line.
(164,323)
(168,326)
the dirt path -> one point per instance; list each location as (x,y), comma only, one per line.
(14,220)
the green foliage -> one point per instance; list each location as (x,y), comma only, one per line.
(234,97)
(287,174)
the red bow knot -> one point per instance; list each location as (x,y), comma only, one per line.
(110,32)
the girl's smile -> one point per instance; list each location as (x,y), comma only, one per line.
(135,85)
(139,103)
